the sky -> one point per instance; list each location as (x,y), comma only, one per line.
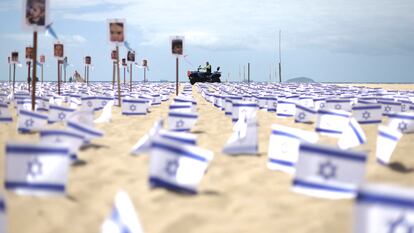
(325,40)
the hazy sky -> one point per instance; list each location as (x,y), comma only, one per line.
(326,40)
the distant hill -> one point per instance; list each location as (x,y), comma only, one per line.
(300,80)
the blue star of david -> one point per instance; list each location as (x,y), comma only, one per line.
(61,115)
(34,168)
(402,126)
(403,108)
(172,167)
(89,103)
(366,115)
(103,103)
(179,123)
(387,108)
(301,116)
(29,123)
(338,106)
(322,105)
(274,104)
(401,225)
(132,107)
(327,170)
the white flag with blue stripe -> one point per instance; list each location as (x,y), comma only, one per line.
(389,107)
(387,140)
(58,136)
(181,121)
(383,208)
(134,107)
(367,113)
(3,220)
(84,117)
(328,172)
(244,139)
(106,115)
(144,143)
(5,115)
(89,103)
(284,147)
(285,108)
(352,136)
(239,107)
(123,217)
(304,114)
(338,104)
(89,133)
(36,168)
(332,122)
(31,121)
(181,107)
(403,121)
(59,113)
(178,167)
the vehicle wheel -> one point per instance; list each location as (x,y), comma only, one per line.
(192,81)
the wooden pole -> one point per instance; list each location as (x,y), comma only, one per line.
(14,75)
(176,76)
(130,77)
(64,72)
(124,73)
(248,72)
(86,77)
(58,67)
(118,74)
(34,70)
(9,72)
(28,74)
(145,74)
(42,71)
(113,76)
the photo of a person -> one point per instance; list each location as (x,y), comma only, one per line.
(145,63)
(15,57)
(88,60)
(177,46)
(131,56)
(116,32)
(35,12)
(113,55)
(58,50)
(124,62)
(29,53)
(42,59)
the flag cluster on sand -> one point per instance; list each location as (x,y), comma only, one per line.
(66,122)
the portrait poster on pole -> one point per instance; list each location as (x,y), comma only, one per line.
(177,45)
(35,15)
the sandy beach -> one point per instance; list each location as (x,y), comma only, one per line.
(238,193)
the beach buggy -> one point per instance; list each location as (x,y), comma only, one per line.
(200,76)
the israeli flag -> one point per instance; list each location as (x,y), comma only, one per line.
(5,115)
(332,122)
(285,108)
(89,103)
(328,172)
(56,136)
(43,105)
(36,168)
(367,113)
(156,99)
(244,139)
(123,218)
(271,104)
(181,121)
(319,103)
(284,144)
(58,113)
(106,115)
(3,221)
(387,140)
(403,121)
(181,107)
(352,136)
(304,114)
(339,104)
(132,107)
(30,121)
(84,117)
(144,143)
(178,167)
(384,209)
(390,107)
(102,101)
(246,107)
(86,131)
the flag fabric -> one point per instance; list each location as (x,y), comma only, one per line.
(30,121)
(338,104)
(352,136)
(284,144)
(89,103)
(389,107)
(102,101)
(387,140)
(383,208)
(181,107)
(285,108)
(89,133)
(402,121)
(84,117)
(43,105)
(177,167)
(328,172)
(144,143)
(332,122)
(181,121)
(244,139)
(58,113)
(36,168)
(271,104)
(367,113)
(134,107)
(5,115)
(242,106)
(106,115)
(123,218)
(56,136)
(304,114)
(3,221)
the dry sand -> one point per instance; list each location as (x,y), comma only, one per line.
(238,194)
